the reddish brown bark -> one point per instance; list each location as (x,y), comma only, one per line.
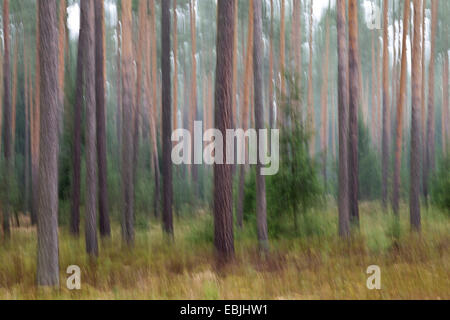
(223,213)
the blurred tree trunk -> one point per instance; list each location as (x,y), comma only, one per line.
(354,101)
(271,93)
(282,55)
(235,64)
(445,110)
(386,107)
(343,118)
(193,103)
(414,204)
(76,151)
(61,55)
(88,22)
(310,97)
(47,224)
(166,118)
(400,105)
(14,98)
(26,72)
(424,107)
(261,207)
(175,65)
(119,87)
(430,158)
(7,126)
(152,109)
(127,125)
(244,113)
(324,98)
(104,224)
(223,212)
(35,133)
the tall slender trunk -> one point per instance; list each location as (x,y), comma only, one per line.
(88,22)
(310,96)
(400,105)
(386,107)
(445,111)
(47,216)
(223,212)
(27,132)
(127,131)
(424,107)
(193,104)
(354,100)
(244,116)
(14,98)
(175,65)
(61,63)
(76,151)
(282,53)
(119,87)
(261,207)
(343,118)
(104,224)
(235,63)
(271,95)
(430,157)
(414,197)
(166,118)
(324,98)
(36,115)
(7,126)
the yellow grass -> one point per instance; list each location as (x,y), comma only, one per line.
(314,267)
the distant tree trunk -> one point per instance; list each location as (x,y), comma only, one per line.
(282,54)
(105,228)
(354,100)
(343,118)
(325,105)
(76,151)
(119,88)
(297,56)
(154,58)
(400,105)
(47,225)
(261,211)
(386,107)
(127,131)
(14,98)
(175,65)
(310,96)
(423,109)
(445,110)
(1,100)
(414,203)
(235,63)
(244,114)
(193,86)
(61,55)
(223,213)
(35,136)
(166,118)
(27,132)
(271,95)
(152,116)
(430,158)
(7,126)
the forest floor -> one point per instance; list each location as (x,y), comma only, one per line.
(318,266)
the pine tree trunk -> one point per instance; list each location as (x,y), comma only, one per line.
(61,63)
(271,93)
(244,117)
(7,125)
(166,119)
(104,224)
(324,98)
(261,207)
(127,131)
(354,101)
(386,107)
(430,157)
(414,197)
(175,67)
(223,213)
(310,96)
(47,215)
(400,105)
(87,23)
(445,111)
(343,118)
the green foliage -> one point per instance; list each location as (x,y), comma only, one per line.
(369,167)
(440,188)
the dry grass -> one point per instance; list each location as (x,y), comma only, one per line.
(314,267)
